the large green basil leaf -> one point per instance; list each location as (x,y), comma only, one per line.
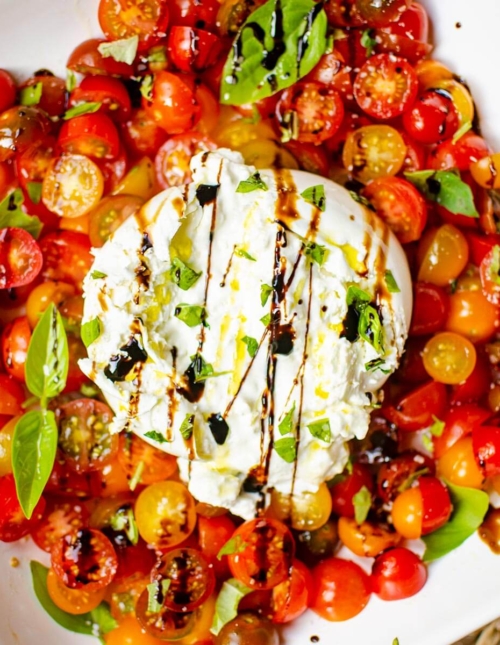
(469,508)
(446,188)
(279,43)
(47,360)
(11,214)
(226,605)
(33,453)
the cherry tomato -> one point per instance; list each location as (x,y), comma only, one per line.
(412,23)
(442,255)
(449,358)
(213,533)
(458,465)
(385,87)
(173,158)
(61,516)
(400,205)
(109,214)
(164,624)
(142,135)
(165,514)
(139,181)
(480,245)
(433,118)
(191,13)
(461,154)
(20,127)
(111,92)
(396,475)
(267,550)
(490,275)
(87,59)
(248,629)
(129,632)
(33,162)
(306,512)
(113,171)
(411,370)
(332,70)
(430,309)
(20,258)
(157,465)
(461,97)
(309,112)
(472,315)
(191,49)
(92,135)
(6,435)
(407,512)
(7,90)
(381,13)
(41,297)
(418,408)
(366,539)
(290,599)
(344,490)
(267,153)
(397,574)
(72,601)
(147,19)
(436,503)
(15,340)
(458,422)
(173,103)
(53,92)
(342,14)
(310,157)
(374,151)
(415,155)
(341,589)
(486,171)
(474,388)
(486,446)
(13,523)
(66,257)
(84,559)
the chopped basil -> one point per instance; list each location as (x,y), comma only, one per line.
(321,430)
(357,297)
(157,54)
(370,328)
(395,641)
(191,315)
(278,44)
(11,214)
(494,269)
(437,427)
(286,424)
(428,443)
(155,436)
(265,320)
(315,195)
(361,200)
(244,254)
(70,80)
(463,129)
(376,364)
(96,275)
(226,605)
(254,182)
(124,520)
(182,274)
(286,449)
(362,501)
(409,481)
(368,41)
(202,369)
(390,281)
(147,87)
(137,476)
(156,595)
(252,345)
(123,51)
(82,108)
(34,189)
(187,426)
(315,252)
(232,546)
(91,330)
(446,189)
(265,291)
(31,94)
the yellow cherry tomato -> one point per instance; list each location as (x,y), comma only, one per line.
(306,512)
(234,131)
(374,151)
(462,100)
(486,171)
(442,255)
(78,224)
(72,601)
(6,434)
(431,72)
(472,315)
(266,153)
(366,539)
(139,181)
(449,358)
(41,297)
(459,466)
(407,513)
(129,632)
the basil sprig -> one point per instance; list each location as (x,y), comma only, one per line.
(11,214)
(35,436)
(279,43)
(446,189)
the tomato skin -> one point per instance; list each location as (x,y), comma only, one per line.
(111,92)
(247,629)
(66,257)
(109,214)
(459,421)
(190,13)
(86,59)
(142,134)
(173,158)
(72,601)
(400,205)
(20,127)
(449,358)
(213,533)
(442,255)
(126,18)
(310,157)
(93,135)
(398,573)
(416,409)
(480,245)
(407,511)
(458,465)
(472,315)
(430,309)
(173,103)
(290,599)
(61,516)
(468,149)
(474,388)
(436,503)
(13,523)
(341,589)
(20,258)
(7,90)
(412,23)
(158,465)
(486,446)
(433,118)
(343,491)
(490,280)
(15,341)
(411,370)
(374,151)
(366,539)
(129,632)
(191,49)
(12,396)
(393,475)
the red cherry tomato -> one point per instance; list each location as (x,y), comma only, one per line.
(391,42)
(341,589)
(21,127)
(113,170)
(415,155)
(398,573)
(490,275)
(411,369)
(66,482)
(266,559)
(173,158)
(86,59)
(61,516)
(92,135)
(461,154)
(486,447)
(413,23)
(53,93)
(173,103)
(430,309)
(433,117)
(147,19)
(15,341)
(386,86)
(13,523)
(458,422)
(418,408)
(7,90)
(343,491)
(111,92)
(400,205)
(397,474)
(436,503)
(66,257)
(477,385)
(142,135)
(213,533)
(480,245)
(332,71)
(192,50)
(32,164)
(20,258)
(310,157)
(290,599)
(192,13)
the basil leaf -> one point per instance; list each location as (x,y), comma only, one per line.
(34,448)
(147,87)
(494,268)
(70,80)
(315,195)
(463,129)
(427,443)
(368,41)
(362,501)
(446,189)
(91,330)
(155,594)
(82,108)
(315,252)
(34,189)
(226,605)
(203,370)
(187,426)
(102,620)
(244,254)
(357,297)
(31,95)
(469,508)
(361,200)
(96,275)
(12,215)
(123,51)
(265,292)
(286,449)
(286,424)
(137,476)
(265,320)
(437,427)
(252,345)
(232,546)
(321,430)
(280,42)
(390,281)
(155,436)
(47,360)
(191,315)
(182,275)
(376,364)
(370,328)
(124,520)
(254,182)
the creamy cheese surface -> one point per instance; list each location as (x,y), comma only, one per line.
(230,328)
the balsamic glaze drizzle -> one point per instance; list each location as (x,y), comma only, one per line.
(129,355)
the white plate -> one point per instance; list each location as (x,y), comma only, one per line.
(463,592)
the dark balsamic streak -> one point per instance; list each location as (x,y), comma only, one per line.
(172,400)
(142,271)
(130,354)
(219,428)
(207,193)
(222,284)
(303,41)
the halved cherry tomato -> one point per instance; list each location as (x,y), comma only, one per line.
(147,19)
(472,315)
(458,465)
(87,59)
(486,171)
(417,409)
(213,533)
(111,92)
(381,13)
(248,628)
(343,491)
(306,512)
(66,257)
(33,162)
(61,516)
(386,86)
(109,214)
(449,358)
(459,421)
(191,13)
(430,309)
(13,523)
(397,574)
(210,109)
(332,70)
(92,135)
(15,341)
(374,151)
(309,112)
(397,475)
(139,181)
(400,205)
(474,388)
(41,297)
(21,127)
(53,92)
(266,554)
(415,155)
(164,625)
(157,465)
(142,134)
(461,154)
(7,430)
(366,539)
(20,258)
(129,632)
(341,589)
(192,49)
(290,599)
(173,103)
(480,245)
(7,90)
(113,171)
(486,447)
(433,118)
(72,601)
(310,157)
(442,255)
(173,158)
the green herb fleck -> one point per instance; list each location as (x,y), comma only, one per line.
(286,424)
(252,345)
(390,281)
(232,546)
(254,182)
(315,252)
(321,430)
(368,41)
(191,315)
(428,443)
(187,427)
(494,269)
(156,595)
(437,427)
(370,328)
(97,275)
(376,364)
(124,520)
(31,94)
(463,129)
(265,320)
(361,200)
(136,477)
(286,449)
(265,291)
(155,436)
(182,274)
(34,189)
(123,51)
(82,108)
(70,80)
(147,87)
(91,330)
(203,370)
(244,254)
(315,195)
(362,501)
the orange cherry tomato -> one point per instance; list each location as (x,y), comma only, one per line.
(442,255)
(15,341)
(486,171)
(374,151)
(472,315)
(449,358)
(6,435)
(157,465)
(109,214)
(173,103)
(366,539)
(41,297)
(306,512)
(72,601)
(407,513)
(458,465)
(130,632)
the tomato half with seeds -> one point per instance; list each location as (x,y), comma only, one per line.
(433,118)
(310,112)
(290,599)
(173,103)
(486,447)
(398,474)
(397,574)
(156,464)
(20,258)
(87,59)
(191,49)
(442,255)
(7,90)
(20,127)
(61,516)
(109,214)
(374,151)
(418,408)
(72,601)
(400,205)
(13,523)
(386,86)
(449,358)
(92,135)
(164,625)
(173,158)
(111,92)
(147,19)
(66,257)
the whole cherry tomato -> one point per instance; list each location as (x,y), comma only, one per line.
(398,573)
